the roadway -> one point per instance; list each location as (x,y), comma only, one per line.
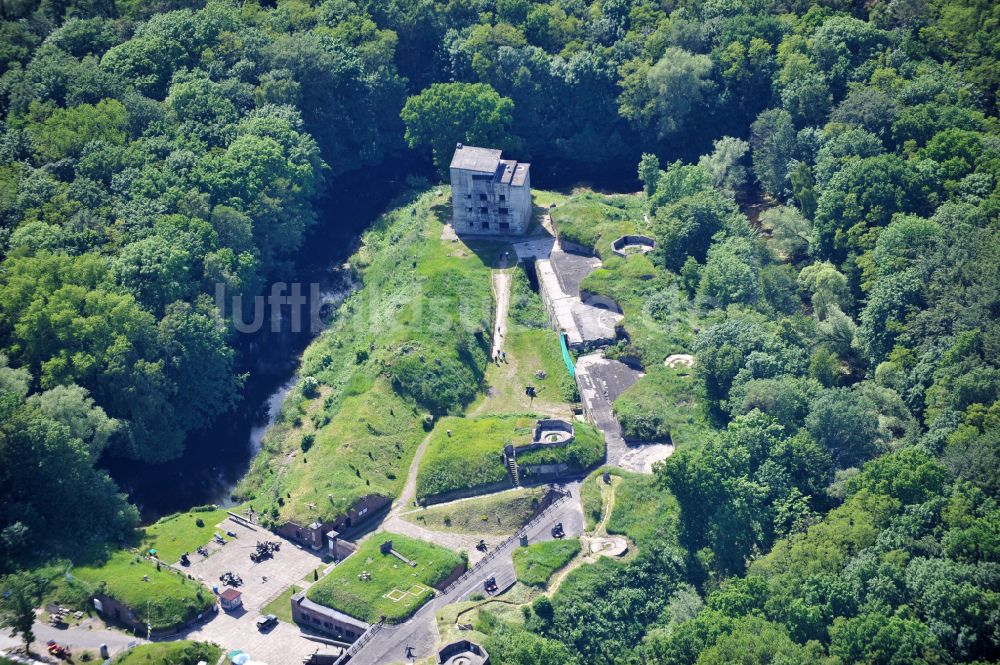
(420,632)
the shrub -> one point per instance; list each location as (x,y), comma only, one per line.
(307,441)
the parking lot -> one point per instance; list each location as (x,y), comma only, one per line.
(262,582)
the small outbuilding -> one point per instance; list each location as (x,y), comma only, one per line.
(231,599)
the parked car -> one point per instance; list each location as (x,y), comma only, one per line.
(266,621)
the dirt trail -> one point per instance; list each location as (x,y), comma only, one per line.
(500,282)
(409,492)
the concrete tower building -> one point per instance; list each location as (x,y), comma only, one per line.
(489,195)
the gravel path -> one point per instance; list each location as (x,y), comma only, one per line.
(501,281)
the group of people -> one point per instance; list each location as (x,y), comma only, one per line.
(499,357)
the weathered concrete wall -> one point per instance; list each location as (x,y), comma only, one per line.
(487,488)
(327,620)
(456,572)
(360,512)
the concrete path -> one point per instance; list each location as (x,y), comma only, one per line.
(601,381)
(262,582)
(420,632)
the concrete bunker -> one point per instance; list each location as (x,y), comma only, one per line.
(632,244)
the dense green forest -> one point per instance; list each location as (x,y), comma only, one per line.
(842,507)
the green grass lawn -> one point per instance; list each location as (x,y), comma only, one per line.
(497,514)
(644,512)
(343,590)
(281,606)
(182,652)
(586,450)
(168,597)
(179,533)
(662,406)
(471,456)
(595,220)
(414,339)
(536,563)
(528,351)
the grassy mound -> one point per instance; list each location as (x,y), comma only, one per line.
(535,564)
(471,456)
(661,406)
(409,587)
(586,450)
(168,598)
(595,220)
(178,533)
(496,514)
(183,652)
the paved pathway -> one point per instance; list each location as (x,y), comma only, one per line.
(420,632)
(262,582)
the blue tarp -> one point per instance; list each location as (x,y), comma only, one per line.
(566,357)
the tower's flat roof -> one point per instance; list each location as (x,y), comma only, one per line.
(470,158)
(520,173)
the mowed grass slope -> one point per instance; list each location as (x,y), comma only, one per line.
(537,563)
(497,514)
(471,455)
(645,512)
(534,358)
(168,598)
(344,590)
(412,340)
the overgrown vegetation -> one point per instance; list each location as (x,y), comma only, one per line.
(846,359)
(377,365)
(538,562)
(662,406)
(182,652)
